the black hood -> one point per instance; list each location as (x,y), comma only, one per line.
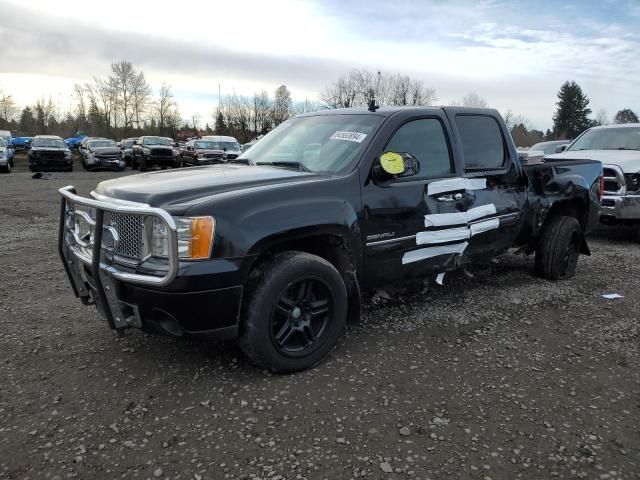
(163,147)
(49,149)
(106,150)
(185,187)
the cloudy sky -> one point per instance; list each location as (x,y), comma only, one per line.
(515,53)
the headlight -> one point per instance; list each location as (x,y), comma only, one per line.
(195,237)
(146,151)
(633,181)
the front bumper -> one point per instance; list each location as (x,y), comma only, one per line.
(620,207)
(160,160)
(181,298)
(101,164)
(50,164)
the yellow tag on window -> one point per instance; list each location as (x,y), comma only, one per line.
(392,163)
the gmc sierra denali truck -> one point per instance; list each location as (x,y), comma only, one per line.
(273,248)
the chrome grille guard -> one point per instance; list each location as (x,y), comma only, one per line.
(72,249)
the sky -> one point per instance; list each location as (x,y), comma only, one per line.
(515,54)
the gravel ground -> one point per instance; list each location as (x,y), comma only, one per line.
(500,376)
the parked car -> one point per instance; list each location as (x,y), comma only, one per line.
(74,142)
(202,152)
(21,143)
(8,143)
(229,145)
(276,251)
(82,146)
(126,147)
(49,152)
(549,148)
(102,154)
(618,148)
(152,151)
(6,162)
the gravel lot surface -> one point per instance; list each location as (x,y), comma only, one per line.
(501,376)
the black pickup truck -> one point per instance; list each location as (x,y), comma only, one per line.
(274,247)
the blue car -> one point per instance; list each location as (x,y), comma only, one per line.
(8,143)
(21,143)
(74,142)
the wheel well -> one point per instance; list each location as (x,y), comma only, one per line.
(333,248)
(569,208)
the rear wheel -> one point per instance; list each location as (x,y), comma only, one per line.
(559,248)
(295,313)
(6,169)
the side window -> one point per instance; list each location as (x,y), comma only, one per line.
(426,140)
(482,144)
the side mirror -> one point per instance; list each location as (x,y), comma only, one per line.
(175,144)
(561,148)
(189,148)
(136,142)
(392,165)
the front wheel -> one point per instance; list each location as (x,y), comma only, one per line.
(559,248)
(142,164)
(295,313)
(6,169)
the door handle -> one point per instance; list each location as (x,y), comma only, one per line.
(451,197)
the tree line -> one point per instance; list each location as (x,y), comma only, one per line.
(123,104)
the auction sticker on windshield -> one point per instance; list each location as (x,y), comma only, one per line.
(349,136)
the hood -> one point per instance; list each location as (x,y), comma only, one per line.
(627,160)
(164,147)
(49,149)
(166,188)
(106,150)
(209,150)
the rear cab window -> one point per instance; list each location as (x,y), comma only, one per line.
(483,145)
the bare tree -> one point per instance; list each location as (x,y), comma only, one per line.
(164,107)
(195,121)
(359,87)
(8,107)
(474,100)
(601,117)
(260,115)
(282,106)
(122,78)
(140,93)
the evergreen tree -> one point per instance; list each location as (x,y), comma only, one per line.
(221,127)
(625,116)
(27,124)
(571,117)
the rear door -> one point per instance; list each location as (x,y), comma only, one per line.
(498,190)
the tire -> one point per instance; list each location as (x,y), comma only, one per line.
(294,314)
(142,165)
(636,233)
(559,248)
(6,169)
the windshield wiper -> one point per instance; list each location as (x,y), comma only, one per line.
(286,164)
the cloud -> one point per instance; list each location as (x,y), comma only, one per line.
(516,54)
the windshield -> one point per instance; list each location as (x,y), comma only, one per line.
(6,139)
(49,143)
(547,148)
(621,138)
(102,143)
(322,143)
(128,144)
(2,143)
(156,141)
(211,145)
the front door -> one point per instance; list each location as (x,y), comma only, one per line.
(416,225)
